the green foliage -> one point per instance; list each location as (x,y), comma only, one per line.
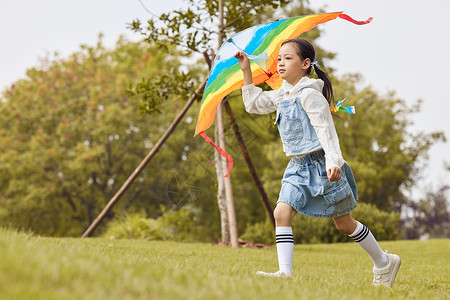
(34,267)
(184,224)
(307,230)
(180,225)
(429,217)
(154,91)
(69,138)
(377,142)
(192,29)
(262,232)
(384,225)
(136,227)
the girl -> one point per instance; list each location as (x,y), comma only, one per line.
(317,181)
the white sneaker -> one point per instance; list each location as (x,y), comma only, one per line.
(386,276)
(276,274)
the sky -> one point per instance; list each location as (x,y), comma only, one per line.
(404,49)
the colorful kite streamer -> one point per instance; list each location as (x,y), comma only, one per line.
(261,43)
(348,109)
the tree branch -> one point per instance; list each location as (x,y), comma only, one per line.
(69,199)
(245,12)
(146,9)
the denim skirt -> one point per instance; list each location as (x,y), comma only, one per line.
(305,187)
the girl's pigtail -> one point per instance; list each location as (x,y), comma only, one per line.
(327,90)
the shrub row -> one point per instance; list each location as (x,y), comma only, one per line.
(307,230)
(183,225)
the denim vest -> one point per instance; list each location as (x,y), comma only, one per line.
(296,132)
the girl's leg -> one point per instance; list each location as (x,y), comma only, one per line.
(283,214)
(385,265)
(362,235)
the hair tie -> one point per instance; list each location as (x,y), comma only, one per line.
(315,64)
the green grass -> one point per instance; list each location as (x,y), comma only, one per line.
(33,267)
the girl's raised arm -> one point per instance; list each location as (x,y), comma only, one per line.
(255,99)
(245,67)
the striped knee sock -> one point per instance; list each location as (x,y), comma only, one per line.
(285,248)
(367,241)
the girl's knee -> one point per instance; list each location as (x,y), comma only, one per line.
(345,224)
(283,214)
(344,228)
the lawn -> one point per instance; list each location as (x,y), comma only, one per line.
(33,267)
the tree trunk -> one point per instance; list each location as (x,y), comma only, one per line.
(221,199)
(220,140)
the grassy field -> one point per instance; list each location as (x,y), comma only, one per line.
(33,267)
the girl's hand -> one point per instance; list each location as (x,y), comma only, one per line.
(243,60)
(334,174)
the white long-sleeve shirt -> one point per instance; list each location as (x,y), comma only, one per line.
(313,102)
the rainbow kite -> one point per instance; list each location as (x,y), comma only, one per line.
(261,43)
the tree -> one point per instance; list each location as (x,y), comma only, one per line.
(70,136)
(377,142)
(429,217)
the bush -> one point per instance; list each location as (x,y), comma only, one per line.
(385,226)
(184,224)
(261,232)
(136,227)
(307,230)
(178,225)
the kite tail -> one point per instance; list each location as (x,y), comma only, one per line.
(221,151)
(350,19)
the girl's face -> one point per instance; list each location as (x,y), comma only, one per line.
(290,66)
